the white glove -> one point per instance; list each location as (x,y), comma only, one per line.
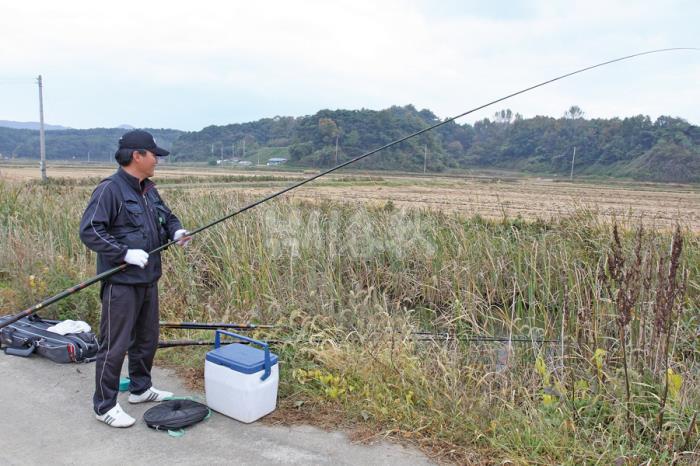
(182,237)
(137,257)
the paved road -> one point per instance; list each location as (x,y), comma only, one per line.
(46,418)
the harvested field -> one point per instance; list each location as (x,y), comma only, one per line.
(655,205)
(530,199)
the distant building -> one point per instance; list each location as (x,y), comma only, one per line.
(225,161)
(275,161)
(245,163)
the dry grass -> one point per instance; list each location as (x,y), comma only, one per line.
(347,283)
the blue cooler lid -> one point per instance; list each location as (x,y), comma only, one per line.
(241,358)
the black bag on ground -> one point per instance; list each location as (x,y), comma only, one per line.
(29,335)
(175,414)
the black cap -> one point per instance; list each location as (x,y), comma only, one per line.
(139,139)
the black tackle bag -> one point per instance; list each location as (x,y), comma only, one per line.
(29,335)
(175,414)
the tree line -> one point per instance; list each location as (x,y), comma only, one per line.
(97,144)
(665,149)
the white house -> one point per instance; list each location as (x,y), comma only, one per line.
(275,161)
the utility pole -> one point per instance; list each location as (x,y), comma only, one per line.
(336,148)
(425,159)
(88,156)
(222,151)
(573,158)
(244,149)
(42,141)
(212,149)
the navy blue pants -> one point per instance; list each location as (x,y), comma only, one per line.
(129,324)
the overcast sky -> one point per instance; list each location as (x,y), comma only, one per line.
(187,65)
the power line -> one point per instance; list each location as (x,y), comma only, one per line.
(17,80)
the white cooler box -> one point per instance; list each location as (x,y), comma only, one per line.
(240,380)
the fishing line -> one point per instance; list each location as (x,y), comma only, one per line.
(31,81)
(110,272)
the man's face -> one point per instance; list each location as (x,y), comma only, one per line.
(145,164)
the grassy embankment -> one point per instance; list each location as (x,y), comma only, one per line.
(347,286)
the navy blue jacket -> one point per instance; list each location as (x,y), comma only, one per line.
(125,214)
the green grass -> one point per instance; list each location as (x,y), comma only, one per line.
(347,285)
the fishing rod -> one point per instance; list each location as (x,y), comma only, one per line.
(112,271)
(213,326)
(421,336)
(446,335)
(178,343)
(425,336)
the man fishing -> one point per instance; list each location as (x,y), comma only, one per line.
(125,218)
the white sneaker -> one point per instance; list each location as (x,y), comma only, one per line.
(116,417)
(152,394)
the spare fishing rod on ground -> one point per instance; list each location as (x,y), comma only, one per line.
(110,272)
(418,336)
(214,326)
(179,343)
(421,338)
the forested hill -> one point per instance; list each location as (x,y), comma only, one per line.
(667,149)
(100,143)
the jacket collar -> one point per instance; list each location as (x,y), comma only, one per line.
(132,181)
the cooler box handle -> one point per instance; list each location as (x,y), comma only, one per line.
(266,347)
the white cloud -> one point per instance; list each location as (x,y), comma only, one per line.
(240,60)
